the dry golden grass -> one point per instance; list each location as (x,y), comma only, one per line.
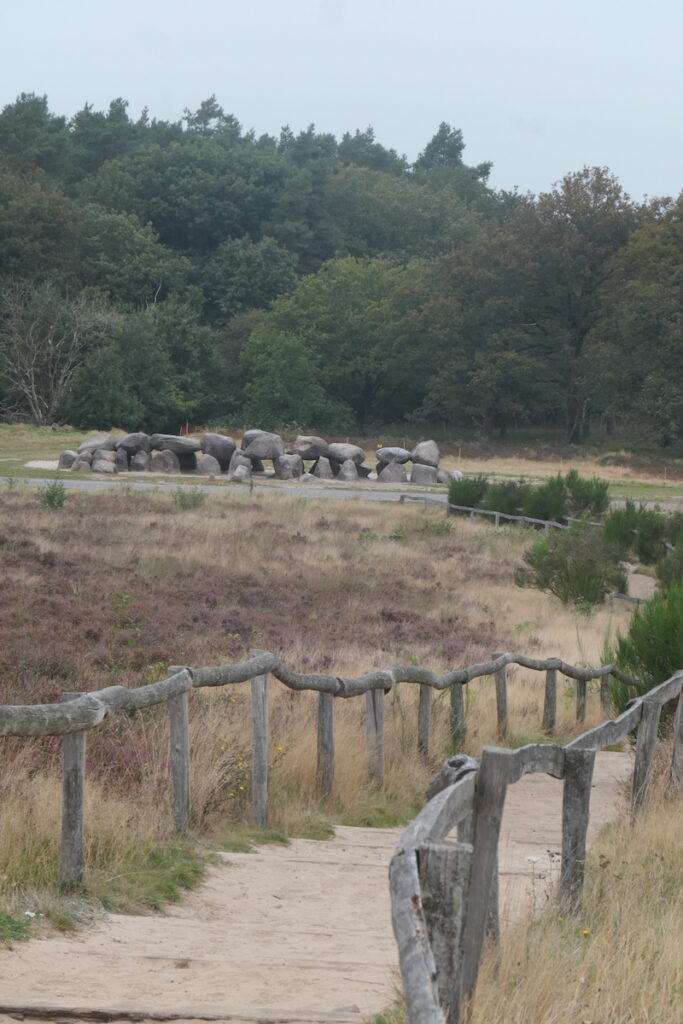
(619,960)
(114,587)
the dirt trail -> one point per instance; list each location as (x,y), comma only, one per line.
(286,934)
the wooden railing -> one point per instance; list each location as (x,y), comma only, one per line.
(445,894)
(80,712)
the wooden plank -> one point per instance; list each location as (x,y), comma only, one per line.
(501,697)
(608,733)
(424,718)
(581,688)
(444,870)
(645,749)
(489,799)
(416,960)
(605,695)
(458,724)
(440,815)
(72,852)
(259,752)
(179,728)
(677,753)
(325,767)
(550,701)
(578,779)
(374,717)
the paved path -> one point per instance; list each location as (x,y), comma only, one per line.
(287,934)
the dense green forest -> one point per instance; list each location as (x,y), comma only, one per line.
(153,272)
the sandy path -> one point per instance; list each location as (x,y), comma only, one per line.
(297,933)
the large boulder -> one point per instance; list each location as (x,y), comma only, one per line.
(238,459)
(265,446)
(103,455)
(444,476)
(84,457)
(423,474)
(103,466)
(140,462)
(220,446)
(249,435)
(164,462)
(426,453)
(174,443)
(132,443)
(242,472)
(121,460)
(387,455)
(97,441)
(340,452)
(288,467)
(392,473)
(81,466)
(348,471)
(67,459)
(309,447)
(322,469)
(208,466)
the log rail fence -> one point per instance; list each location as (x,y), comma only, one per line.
(80,712)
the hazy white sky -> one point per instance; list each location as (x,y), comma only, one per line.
(538,87)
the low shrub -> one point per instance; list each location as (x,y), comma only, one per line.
(53,495)
(670,568)
(652,649)
(187,498)
(586,496)
(508,497)
(643,532)
(548,501)
(469,491)
(576,565)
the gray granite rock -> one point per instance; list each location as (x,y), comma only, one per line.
(140,462)
(242,472)
(265,446)
(132,443)
(238,459)
(423,474)
(91,444)
(249,435)
(164,462)
(288,467)
(387,455)
(348,471)
(104,455)
(322,469)
(208,466)
(67,459)
(341,452)
(103,466)
(81,466)
(392,473)
(444,476)
(121,460)
(174,443)
(426,453)
(309,447)
(220,446)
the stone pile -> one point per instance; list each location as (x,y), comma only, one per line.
(216,454)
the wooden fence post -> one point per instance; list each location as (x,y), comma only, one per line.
(179,727)
(458,725)
(645,749)
(424,716)
(374,713)
(72,854)
(581,690)
(501,697)
(605,696)
(578,779)
(677,755)
(444,870)
(260,742)
(325,769)
(550,701)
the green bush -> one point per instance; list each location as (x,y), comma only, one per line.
(586,496)
(508,496)
(547,501)
(652,650)
(53,495)
(468,492)
(576,565)
(642,532)
(670,568)
(188,498)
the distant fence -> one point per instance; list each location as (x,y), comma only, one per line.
(80,712)
(445,894)
(498,517)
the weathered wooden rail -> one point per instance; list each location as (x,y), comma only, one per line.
(445,894)
(80,712)
(498,517)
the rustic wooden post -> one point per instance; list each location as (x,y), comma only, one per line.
(581,689)
(325,770)
(645,749)
(444,870)
(374,713)
(260,742)
(501,697)
(605,696)
(578,779)
(179,724)
(458,725)
(489,799)
(677,755)
(72,854)
(550,701)
(424,716)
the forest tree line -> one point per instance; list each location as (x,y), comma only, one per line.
(153,272)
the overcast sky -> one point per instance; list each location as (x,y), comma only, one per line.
(538,87)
